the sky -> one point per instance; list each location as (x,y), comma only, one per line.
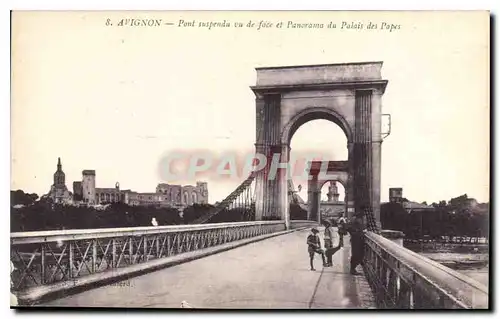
(119,99)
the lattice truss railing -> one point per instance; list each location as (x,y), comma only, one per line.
(241,201)
(51,258)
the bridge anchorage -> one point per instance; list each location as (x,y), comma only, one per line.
(51,264)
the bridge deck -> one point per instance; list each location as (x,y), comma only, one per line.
(273,273)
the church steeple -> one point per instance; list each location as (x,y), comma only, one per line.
(59,176)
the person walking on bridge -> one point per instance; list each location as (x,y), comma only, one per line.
(341,224)
(314,247)
(332,242)
(356,230)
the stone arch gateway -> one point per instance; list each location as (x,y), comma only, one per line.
(321,172)
(347,94)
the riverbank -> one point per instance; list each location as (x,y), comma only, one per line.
(471,260)
(481,275)
(438,247)
(475,266)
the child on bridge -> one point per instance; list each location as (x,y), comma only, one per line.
(314,247)
(332,242)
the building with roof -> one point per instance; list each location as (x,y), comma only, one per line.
(58,191)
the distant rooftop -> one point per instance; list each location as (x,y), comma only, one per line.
(414,205)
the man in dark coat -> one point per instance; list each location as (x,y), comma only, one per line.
(356,230)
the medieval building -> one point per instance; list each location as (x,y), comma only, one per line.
(58,191)
(184,195)
(108,195)
(166,195)
(169,195)
(87,192)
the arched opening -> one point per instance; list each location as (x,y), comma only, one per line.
(318,140)
(338,189)
(315,135)
(332,202)
(311,114)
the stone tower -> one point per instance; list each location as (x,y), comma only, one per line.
(202,189)
(396,194)
(333,193)
(88,186)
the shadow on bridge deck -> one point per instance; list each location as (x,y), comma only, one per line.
(273,273)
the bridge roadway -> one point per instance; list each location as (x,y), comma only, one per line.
(270,274)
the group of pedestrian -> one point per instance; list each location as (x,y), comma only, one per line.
(334,241)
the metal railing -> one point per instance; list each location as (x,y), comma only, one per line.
(47,257)
(403,279)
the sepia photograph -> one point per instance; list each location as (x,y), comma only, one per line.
(250,160)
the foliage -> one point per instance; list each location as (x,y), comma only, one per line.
(297,212)
(238,214)
(195,211)
(18,197)
(43,215)
(393,216)
(455,218)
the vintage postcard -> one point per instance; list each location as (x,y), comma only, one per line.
(250,160)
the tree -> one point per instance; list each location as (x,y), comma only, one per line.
(19,197)
(393,216)
(195,211)
(44,215)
